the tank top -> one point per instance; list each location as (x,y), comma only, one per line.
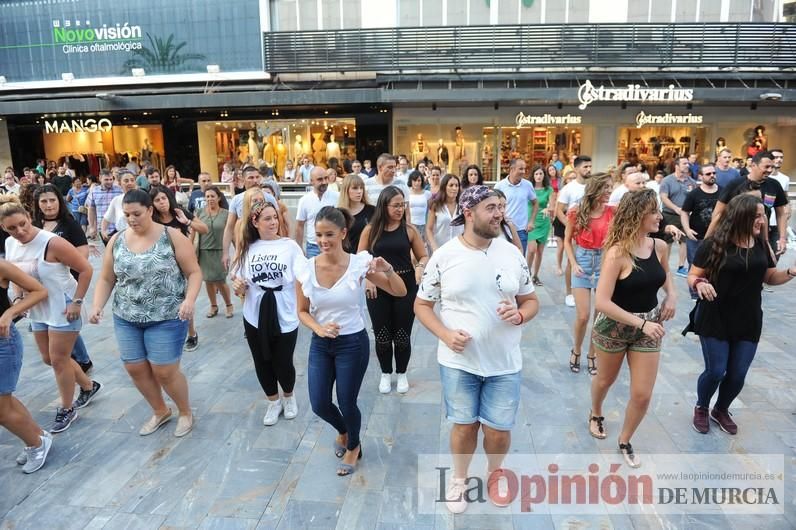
(149,285)
(638,293)
(55,277)
(443,231)
(5,303)
(395,248)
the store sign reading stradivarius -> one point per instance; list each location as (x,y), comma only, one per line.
(71,126)
(642,119)
(588,93)
(523,120)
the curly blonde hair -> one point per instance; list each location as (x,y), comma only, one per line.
(626,225)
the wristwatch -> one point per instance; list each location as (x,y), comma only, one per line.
(77,301)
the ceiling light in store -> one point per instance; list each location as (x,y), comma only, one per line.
(135,126)
(234,129)
(138,72)
(219,123)
(326,112)
(67,76)
(213,69)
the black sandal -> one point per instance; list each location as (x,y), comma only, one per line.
(591,365)
(630,456)
(574,367)
(600,432)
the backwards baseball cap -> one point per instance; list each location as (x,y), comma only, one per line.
(469,199)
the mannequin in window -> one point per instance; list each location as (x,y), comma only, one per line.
(299,148)
(253,147)
(442,154)
(459,151)
(419,149)
(332,149)
(146,151)
(281,156)
(319,149)
(269,157)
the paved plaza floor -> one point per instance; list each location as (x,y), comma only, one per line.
(231,472)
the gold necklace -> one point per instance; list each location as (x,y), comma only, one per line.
(474,247)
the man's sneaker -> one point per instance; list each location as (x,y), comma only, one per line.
(191,343)
(402,386)
(63,419)
(36,456)
(498,490)
(701,421)
(682,271)
(385,383)
(273,412)
(722,417)
(85,396)
(569,301)
(86,366)
(290,407)
(22,457)
(455,496)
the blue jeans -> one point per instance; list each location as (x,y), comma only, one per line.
(726,364)
(312,250)
(159,342)
(10,361)
(691,247)
(79,351)
(523,235)
(342,362)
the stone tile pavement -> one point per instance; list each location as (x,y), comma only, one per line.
(231,472)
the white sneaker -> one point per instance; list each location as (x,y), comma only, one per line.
(273,412)
(403,384)
(22,457)
(37,455)
(569,300)
(385,384)
(291,408)
(454,497)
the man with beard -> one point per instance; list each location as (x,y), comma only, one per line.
(777,157)
(309,206)
(697,210)
(479,334)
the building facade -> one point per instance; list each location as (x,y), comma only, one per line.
(462,82)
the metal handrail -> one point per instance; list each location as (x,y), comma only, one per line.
(758,46)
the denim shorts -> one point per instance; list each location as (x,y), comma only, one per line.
(469,398)
(73,327)
(10,361)
(160,342)
(588,260)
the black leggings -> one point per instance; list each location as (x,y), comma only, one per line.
(279,368)
(392,318)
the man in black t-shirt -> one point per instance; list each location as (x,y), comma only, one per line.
(697,210)
(758,183)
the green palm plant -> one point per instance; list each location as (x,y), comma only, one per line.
(162,56)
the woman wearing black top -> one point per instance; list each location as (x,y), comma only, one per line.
(354,199)
(51,214)
(390,237)
(728,273)
(629,320)
(166,212)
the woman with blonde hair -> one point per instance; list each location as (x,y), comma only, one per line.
(587,226)
(629,319)
(354,199)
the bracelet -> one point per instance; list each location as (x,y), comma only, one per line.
(700,280)
(642,324)
(420,265)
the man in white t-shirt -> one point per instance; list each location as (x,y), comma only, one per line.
(385,165)
(519,194)
(777,157)
(485,292)
(632,180)
(251,179)
(569,196)
(309,206)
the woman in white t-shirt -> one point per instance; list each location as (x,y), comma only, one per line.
(331,303)
(418,202)
(264,270)
(443,208)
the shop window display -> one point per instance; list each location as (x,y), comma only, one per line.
(536,145)
(452,148)
(274,142)
(658,147)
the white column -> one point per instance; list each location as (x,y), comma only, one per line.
(607,11)
(673,18)
(379,14)
(342,21)
(543,7)
(698,9)
(493,12)
(319,9)
(725,11)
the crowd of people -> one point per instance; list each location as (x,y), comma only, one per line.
(394,242)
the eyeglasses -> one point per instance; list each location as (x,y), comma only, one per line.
(399,206)
(708,174)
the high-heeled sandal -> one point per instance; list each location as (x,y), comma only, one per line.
(630,457)
(574,366)
(344,469)
(591,365)
(339,450)
(596,428)
(229,312)
(213,311)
